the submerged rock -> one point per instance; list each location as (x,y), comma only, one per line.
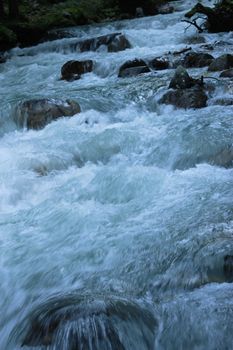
(72,70)
(35,114)
(228,268)
(113,42)
(227,73)
(224,158)
(193,97)
(133,68)
(221,63)
(72,322)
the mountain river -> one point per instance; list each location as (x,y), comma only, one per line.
(117,219)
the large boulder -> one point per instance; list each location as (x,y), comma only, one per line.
(35,114)
(133,68)
(196,60)
(72,70)
(193,97)
(221,63)
(113,42)
(187,92)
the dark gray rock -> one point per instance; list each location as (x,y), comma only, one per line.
(114,42)
(227,73)
(193,97)
(159,64)
(35,114)
(221,63)
(133,68)
(197,60)
(181,79)
(72,70)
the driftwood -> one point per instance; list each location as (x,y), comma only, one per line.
(218,19)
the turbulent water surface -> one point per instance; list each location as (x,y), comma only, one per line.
(123,201)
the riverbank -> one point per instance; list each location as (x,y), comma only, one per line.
(37,18)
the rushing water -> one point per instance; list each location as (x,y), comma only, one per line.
(131,204)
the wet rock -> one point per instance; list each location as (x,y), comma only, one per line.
(35,114)
(72,322)
(228,268)
(196,39)
(181,79)
(159,64)
(193,97)
(223,159)
(221,63)
(187,93)
(165,9)
(113,42)
(133,68)
(197,60)
(139,12)
(72,70)
(227,73)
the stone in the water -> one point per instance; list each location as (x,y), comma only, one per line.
(224,101)
(228,268)
(72,70)
(165,9)
(71,322)
(224,158)
(133,68)
(194,97)
(139,12)
(197,60)
(159,64)
(221,63)
(227,73)
(181,79)
(113,42)
(35,114)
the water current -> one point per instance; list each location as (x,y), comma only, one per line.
(121,202)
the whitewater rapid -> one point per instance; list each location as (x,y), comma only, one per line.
(124,198)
